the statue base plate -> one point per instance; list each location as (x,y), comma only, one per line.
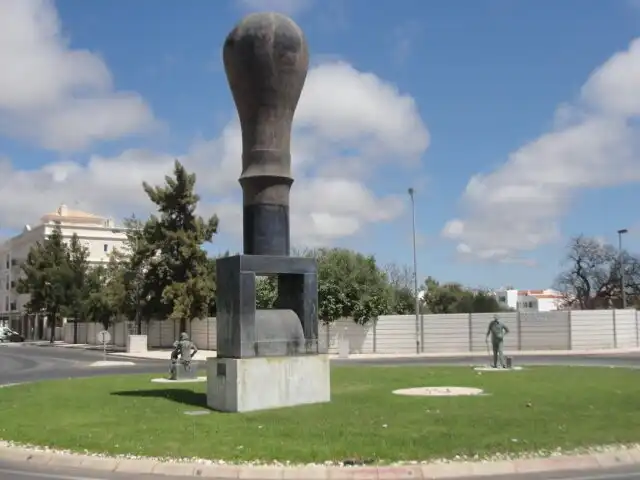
(497,369)
(262,383)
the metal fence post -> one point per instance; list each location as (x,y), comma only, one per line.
(637,332)
(328,329)
(615,329)
(422,332)
(569,333)
(375,335)
(519,326)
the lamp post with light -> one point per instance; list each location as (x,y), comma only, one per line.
(415,269)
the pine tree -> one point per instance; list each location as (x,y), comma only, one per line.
(47,278)
(177,282)
(78,263)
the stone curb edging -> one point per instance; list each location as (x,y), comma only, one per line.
(593,461)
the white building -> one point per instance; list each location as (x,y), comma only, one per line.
(98,234)
(546,300)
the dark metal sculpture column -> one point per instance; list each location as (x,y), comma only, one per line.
(266,60)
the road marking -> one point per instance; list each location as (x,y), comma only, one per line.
(53,476)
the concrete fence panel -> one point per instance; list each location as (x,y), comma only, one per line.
(68,333)
(445,333)
(204,333)
(592,329)
(480,323)
(544,331)
(329,336)
(625,328)
(395,334)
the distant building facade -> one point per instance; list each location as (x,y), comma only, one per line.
(546,300)
(98,234)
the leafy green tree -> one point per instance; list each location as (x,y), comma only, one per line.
(401,285)
(177,283)
(46,278)
(78,265)
(128,267)
(266,291)
(101,306)
(454,298)
(350,285)
(212,275)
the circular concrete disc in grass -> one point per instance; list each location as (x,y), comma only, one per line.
(186,380)
(491,369)
(439,391)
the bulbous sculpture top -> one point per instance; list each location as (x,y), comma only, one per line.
(266,59)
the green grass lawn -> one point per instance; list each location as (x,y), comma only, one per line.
(526,411)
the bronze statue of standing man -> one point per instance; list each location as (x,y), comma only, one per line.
(497,330)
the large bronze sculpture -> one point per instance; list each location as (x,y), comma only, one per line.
(266,60)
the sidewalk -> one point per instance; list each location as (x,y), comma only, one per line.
(589,463)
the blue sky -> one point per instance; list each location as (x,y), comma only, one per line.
(521,104)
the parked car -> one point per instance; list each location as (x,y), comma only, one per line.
(8,335)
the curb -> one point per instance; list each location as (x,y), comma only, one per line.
(594,461)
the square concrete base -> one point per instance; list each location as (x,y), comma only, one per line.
(136,343)
(261,383)
(184,372)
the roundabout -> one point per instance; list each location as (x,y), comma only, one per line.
(542,409)
(119,415)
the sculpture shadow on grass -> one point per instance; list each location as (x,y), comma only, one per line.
(185,397)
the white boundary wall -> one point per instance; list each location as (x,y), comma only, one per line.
(446,333)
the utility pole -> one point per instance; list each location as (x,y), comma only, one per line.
(415,269)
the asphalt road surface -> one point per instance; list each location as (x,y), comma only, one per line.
(30,363)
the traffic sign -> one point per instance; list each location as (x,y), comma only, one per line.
(104,337)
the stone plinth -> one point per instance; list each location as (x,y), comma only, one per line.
(136,343)
(261,383)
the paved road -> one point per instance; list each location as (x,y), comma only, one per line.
(30,363)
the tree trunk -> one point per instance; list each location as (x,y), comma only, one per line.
(53,327)
(183,325)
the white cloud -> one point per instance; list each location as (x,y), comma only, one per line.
(61,98)
(289,7)
(594,144)
(348,123)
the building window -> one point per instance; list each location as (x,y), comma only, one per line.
(6,304)
(106,248)
(6,283)
(7,261)
(14,307)
(502,299)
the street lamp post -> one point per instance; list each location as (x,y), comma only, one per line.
(621,260)
(415,270)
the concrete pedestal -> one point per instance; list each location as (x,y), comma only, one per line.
(136,343)
(181,371)
(261,383)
